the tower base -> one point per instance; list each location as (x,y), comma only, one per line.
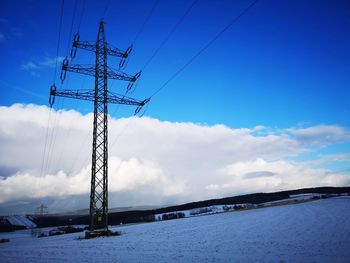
(100,233)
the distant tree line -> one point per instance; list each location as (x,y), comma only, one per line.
(148,215)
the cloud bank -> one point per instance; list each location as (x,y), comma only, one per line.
(152,162)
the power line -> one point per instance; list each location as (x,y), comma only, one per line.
(45,153)
(83,145)
(172,31)
(205,47)
(82,15)
(54,132)
(45,144)
(122,131)
(170,34)
(71,26)
(106,8)
(146,21)
(70,124)
(58,40)
(56,122)
(53,136)
(78,152)
(66,135)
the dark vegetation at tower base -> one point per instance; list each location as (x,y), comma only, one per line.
(5,226)
(102,233)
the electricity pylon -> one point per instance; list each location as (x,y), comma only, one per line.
(41,210)
(101,96)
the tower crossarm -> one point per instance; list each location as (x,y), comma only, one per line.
(122,76)
(91,46)
(81,94)
(119,99)
(91,71)
(89,95)
(116,52)
(87,45)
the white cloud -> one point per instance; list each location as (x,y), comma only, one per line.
(330,158)
(276,175)
(124,176)
(29,66)
(321,134)
(46,62)
(258,174)
(50,62)
(151,162)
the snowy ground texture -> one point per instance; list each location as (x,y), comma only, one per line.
(316,231)
(20,220)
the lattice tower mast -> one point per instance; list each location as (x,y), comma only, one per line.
(101,96)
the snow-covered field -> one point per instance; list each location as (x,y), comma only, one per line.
(316,231)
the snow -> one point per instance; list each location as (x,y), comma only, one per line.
(20,220)
(214,209)
(289,200)
(317,231)
(306,195)
(206,210)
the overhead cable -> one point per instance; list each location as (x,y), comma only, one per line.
(205,47)
(58,40)
(145,21)
(170,34)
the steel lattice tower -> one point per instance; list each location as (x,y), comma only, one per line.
(101,97)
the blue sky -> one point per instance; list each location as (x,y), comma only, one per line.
(284,65)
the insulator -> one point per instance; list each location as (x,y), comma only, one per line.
(137,75)
(131,83)
(121,63)
(125,56)
(128,88)
(128,51)
(64,69)
(73,51)
(76,37)
(52,95)
(143,103)
(65,64)
(63,75)
(137,110)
